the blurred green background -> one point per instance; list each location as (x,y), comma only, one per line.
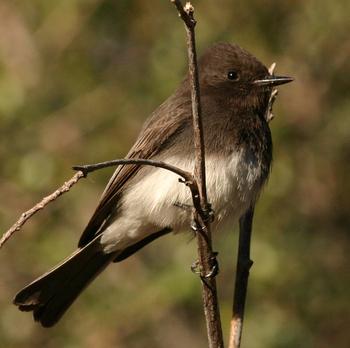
(78,78)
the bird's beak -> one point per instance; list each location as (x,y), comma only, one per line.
(272,81)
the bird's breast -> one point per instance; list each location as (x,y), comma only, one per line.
(233,182)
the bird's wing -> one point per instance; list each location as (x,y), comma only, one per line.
(157,133)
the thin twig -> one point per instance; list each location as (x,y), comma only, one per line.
(244,264)
(243,259)
(206,256)
(88,168)
(41,205)
(184,13)
(83,170)
(187,178)
(269,116)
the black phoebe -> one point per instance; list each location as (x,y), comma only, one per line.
(141,204)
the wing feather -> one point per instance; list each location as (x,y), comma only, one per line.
(158,132)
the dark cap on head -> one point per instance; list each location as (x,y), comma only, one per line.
(228,66)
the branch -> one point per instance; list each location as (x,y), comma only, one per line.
(89,168)
(207,261)
(186,13)
(269,116)
(244,264)
(82,173)
(187,177)
(41,205)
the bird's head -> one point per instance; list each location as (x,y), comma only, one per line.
(229,71)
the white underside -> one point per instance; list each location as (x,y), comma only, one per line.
(152,203)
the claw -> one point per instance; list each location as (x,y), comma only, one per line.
(186,182)
(215,268)
(196,228)
(195,267)
(208,213)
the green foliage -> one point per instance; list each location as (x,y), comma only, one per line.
(78,78)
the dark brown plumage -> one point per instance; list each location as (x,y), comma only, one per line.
(132,212)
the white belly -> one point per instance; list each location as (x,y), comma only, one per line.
(153,202)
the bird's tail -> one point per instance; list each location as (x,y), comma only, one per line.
(52,294)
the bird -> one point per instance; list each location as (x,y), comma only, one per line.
(143,203)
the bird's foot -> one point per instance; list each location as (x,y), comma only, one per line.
(196,227)
(208,213)
(214,271)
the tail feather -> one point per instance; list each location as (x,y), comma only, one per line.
(52,294)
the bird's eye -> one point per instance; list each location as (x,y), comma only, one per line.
(232,75)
